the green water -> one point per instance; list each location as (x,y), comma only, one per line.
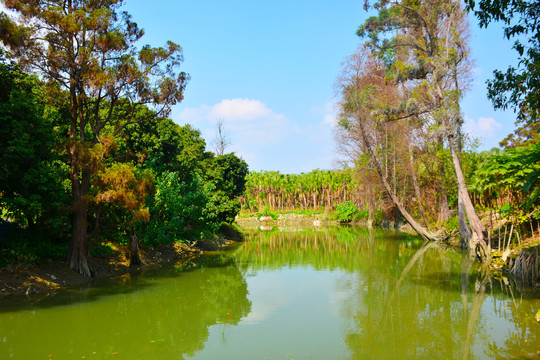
(335,293)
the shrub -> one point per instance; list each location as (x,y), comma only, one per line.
(27,247)
(346,212)
(267,212)
(180,210)
(102,250)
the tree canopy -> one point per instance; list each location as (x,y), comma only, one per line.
(518,87)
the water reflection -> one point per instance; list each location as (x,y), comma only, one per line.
(157,316)
(330,293)
(408,299)
(342,248)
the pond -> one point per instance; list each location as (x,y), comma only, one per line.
(328,293)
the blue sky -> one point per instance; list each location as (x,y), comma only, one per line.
(268,68)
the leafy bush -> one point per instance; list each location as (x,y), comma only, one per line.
(26,247)
(228,174)
(346,212)
(101,250)
(267,212)
(451,224)
(362,214)
(378,216)
(231,231)
(180,210)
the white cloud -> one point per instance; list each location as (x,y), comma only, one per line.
(267,139)
(195,115)
(247,121)
(330,119)
(328,113)
(230,110)
(234,110)
(484,127)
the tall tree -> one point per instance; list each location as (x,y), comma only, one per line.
(366,98)
(423,44)
(518,87)
(86,49)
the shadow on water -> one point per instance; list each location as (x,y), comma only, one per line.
(131,282)
(161,314)
(410,298)
(92,291)
(415,299)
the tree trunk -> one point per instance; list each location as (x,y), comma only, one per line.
(444,210)
(417,187)
(479,298)
(477,244)
(465,233)
(80,182)
(371,204)
(78,252)
(134,255)
(423,232)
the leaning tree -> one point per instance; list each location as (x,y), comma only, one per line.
(424,47)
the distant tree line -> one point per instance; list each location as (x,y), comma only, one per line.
(316,190)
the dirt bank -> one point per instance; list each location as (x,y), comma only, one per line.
(53,276)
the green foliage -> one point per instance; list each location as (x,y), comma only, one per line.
(525,134)
(222,206)
(297,192)
(33,193)
(30,169)
(346,212)
(162,145)
(452,224)
(267,212)
(307,212)
(231,231)
(28,247)
(102,250)
(290,183)
(509,171)
(179,211)
(87,53)
(517,88)
(228,174)
(531,159)
(91,141)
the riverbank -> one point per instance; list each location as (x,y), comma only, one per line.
(46,278)
(521,261)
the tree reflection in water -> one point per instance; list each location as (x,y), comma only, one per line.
(412,299)
(393,296)
(166,315)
